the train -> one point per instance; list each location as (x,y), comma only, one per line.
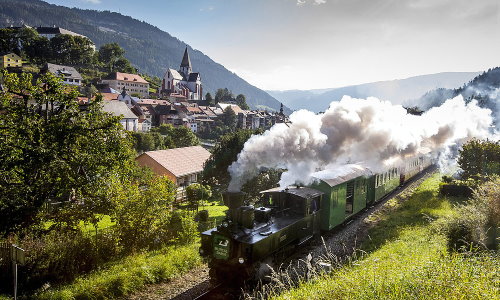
(250,238)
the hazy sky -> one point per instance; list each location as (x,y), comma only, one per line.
(307,44)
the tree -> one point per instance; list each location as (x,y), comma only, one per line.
(123,65)
(143,210)
(209,99)
(176,137)
(223,95)
(109,55)
(196,192)
(229,118)
(54,150)
(223,155)
(242,102)
(479,158)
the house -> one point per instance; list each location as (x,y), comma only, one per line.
(132,83)
(129,120)
(50,32)
(144,125)
(9,60)
(182,165)
(69,75)
(182,83)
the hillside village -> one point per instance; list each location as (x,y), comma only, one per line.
(178,101)
(117,183)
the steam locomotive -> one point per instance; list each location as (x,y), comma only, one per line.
(251,238)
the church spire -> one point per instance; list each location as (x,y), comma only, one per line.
(186,64)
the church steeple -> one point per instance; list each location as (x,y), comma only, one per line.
(185,68)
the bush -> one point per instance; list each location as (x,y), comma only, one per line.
(474,226)
(60,256)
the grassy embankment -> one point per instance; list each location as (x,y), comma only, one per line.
(405,258)
(132,273)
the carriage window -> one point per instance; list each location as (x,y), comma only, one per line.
(315,204)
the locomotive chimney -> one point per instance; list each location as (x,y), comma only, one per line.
(233,200)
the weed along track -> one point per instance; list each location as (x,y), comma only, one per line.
(341,243)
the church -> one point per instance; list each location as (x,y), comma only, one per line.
(183,82)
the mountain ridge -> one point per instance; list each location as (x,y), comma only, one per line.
(398,91)
(149,48)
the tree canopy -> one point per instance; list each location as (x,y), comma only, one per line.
(479,158)
(54,150)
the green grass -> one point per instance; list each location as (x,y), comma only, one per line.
(405,259)
(216,213)
(130,274)
(105,222)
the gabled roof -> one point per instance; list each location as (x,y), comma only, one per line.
(125,77)
(109,96)
(193,77)
(180,161)
(186,61)
(56,30)
(117,108)
(175,74)
(64,71)
(234,107)
(341,174)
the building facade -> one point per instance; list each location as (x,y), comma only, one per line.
(131,83)
(10,60)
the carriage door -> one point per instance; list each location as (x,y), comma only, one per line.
(349,200)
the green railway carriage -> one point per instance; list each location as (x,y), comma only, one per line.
(346,192)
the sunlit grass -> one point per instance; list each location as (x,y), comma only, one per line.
(405,259)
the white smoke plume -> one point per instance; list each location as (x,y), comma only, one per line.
(372,132)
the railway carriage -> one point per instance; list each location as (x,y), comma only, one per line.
(250,238)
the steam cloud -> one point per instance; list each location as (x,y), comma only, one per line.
(372,132)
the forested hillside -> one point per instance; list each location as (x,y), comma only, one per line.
(149,49)
(484,88)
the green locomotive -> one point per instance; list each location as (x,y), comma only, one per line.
(251,238)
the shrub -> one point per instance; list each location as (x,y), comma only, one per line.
(60,256)
(474,226)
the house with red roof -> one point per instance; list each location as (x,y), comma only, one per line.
(131,83)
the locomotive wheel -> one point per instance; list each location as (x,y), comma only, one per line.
(264,269)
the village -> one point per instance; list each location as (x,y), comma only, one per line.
(247,150)
(178,102)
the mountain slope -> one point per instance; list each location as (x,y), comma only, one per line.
(396,91)
(485,88)
(150,49)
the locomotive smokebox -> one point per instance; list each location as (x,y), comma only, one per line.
(233,199)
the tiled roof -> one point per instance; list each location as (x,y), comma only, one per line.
(126,77)
(153,102)
(109,96)
(181,161)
